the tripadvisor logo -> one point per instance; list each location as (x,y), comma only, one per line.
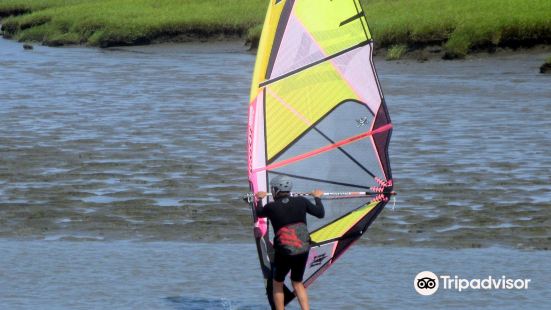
(427,283)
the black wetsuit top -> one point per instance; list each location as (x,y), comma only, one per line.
(288,210)
(282,212)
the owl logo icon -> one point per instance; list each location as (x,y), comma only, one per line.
(426,283)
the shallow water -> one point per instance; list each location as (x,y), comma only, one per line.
(148,143)
(141,144)
(190,276)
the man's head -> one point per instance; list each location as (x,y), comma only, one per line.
(280,184)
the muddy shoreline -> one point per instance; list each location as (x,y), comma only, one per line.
(419,53)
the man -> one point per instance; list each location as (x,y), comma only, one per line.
(292,239)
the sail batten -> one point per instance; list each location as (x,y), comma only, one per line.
(317,62)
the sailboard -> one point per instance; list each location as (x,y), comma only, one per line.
(317,115)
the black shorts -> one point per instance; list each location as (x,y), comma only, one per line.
(296,264)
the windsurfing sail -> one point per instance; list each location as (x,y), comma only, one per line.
(317,114)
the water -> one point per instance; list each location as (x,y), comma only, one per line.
(141,143)
(471,151)
(148,143)
(120,172)
(177,275)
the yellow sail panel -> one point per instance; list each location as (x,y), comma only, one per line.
(282,123)
(298,101)
(265,45)
(335,25)
(340,227)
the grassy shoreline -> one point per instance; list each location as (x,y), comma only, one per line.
(107,23)
(459,27)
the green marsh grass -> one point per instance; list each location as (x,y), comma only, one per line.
(460,26)
(396,52)
(124,22)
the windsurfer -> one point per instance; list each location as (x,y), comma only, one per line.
(292,239)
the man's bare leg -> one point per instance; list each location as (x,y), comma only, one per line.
(279,298)
(302,295)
